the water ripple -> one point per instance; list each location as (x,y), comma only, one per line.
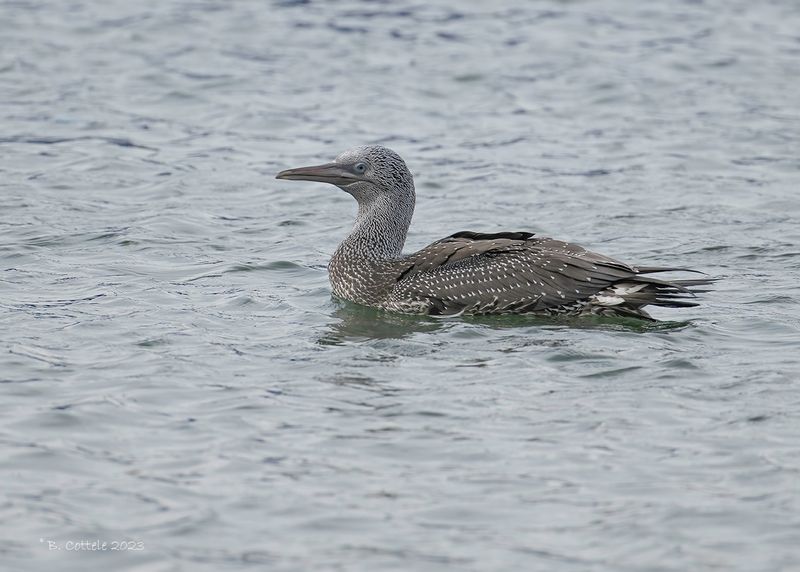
(175,371)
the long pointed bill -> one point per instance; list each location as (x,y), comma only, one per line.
(329,173)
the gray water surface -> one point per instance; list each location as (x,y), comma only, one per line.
(176,373)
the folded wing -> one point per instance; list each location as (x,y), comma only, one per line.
(516,272)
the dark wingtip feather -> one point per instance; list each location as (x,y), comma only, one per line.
(656,269)
(696,282)
(666,293)
(491,236)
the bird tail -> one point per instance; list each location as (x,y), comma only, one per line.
(629,296)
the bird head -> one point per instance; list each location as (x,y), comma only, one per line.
(368,173)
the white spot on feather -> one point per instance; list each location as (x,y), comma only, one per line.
(605,300)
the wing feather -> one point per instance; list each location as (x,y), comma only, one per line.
(516,272)
(505,272)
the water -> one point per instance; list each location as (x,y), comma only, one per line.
(176,374)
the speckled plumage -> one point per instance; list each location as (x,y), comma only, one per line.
(468,272)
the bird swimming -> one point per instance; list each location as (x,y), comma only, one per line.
(471,272)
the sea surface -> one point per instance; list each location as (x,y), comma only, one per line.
(180,391)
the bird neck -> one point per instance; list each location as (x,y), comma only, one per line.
(379,232)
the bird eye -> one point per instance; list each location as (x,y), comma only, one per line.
(360,167)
